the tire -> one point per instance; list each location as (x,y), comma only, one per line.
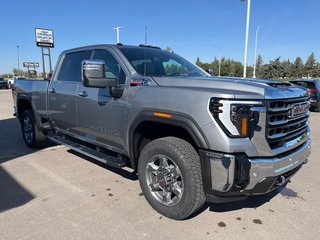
(170,177)
(32,136)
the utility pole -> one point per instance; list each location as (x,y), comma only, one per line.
(220,56)
(247,37)
(18,57)
(255,52)
(117,29)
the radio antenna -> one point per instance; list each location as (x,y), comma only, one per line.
(145,50)
(145,34)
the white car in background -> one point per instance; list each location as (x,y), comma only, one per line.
(11,80)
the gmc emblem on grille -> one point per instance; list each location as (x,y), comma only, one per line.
(298,109)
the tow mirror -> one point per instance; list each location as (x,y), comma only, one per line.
(93,74)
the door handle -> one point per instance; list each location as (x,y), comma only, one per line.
(83,94)
(52,90)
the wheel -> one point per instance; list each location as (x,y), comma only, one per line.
(30,133)
(170,177)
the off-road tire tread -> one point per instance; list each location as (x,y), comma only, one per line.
(192,161)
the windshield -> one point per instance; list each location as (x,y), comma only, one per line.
(159,63)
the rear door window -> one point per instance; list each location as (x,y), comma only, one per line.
(71,66)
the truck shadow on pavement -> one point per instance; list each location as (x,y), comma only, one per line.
(11,141)
(251,202)
(12,193)
(131,175)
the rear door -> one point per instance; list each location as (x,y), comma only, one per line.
(63,89)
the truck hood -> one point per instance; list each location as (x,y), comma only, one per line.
(237,87)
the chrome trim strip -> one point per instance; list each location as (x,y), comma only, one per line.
(280,135)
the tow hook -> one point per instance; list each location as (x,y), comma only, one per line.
(281,180)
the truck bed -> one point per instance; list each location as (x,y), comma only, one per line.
(32,89)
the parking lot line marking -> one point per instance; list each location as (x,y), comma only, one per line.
(56,178)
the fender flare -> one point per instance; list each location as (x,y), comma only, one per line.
(23,97)
(178,120)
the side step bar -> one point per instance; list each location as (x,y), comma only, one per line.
(92,153)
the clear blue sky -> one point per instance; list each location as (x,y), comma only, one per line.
(191,28)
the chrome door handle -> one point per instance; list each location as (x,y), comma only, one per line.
(52,90)
(83,94)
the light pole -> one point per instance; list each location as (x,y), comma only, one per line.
(255,52)
(18,57)
(117,29)
(219,71)
(247,36)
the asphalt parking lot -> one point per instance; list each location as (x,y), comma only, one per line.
(54,193)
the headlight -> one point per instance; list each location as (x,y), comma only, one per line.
(236,117)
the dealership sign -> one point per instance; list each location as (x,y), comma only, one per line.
(31,64)
(44,38)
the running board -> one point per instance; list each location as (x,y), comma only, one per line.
(92,153)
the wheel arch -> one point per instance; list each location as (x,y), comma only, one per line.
(147,127)
(22,105)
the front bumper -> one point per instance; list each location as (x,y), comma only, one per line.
(265,168)
(230,176)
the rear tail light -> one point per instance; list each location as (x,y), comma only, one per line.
(312,90)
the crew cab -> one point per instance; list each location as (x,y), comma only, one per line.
(191,137)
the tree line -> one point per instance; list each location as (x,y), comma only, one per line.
(21,73)
(275,69)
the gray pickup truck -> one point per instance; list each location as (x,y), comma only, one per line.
(190,137)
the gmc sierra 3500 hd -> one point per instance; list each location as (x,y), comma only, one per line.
(191,137)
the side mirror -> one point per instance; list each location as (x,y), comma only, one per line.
(93,74)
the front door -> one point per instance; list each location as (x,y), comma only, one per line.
(101,117)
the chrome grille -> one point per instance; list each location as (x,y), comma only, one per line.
(286,120)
